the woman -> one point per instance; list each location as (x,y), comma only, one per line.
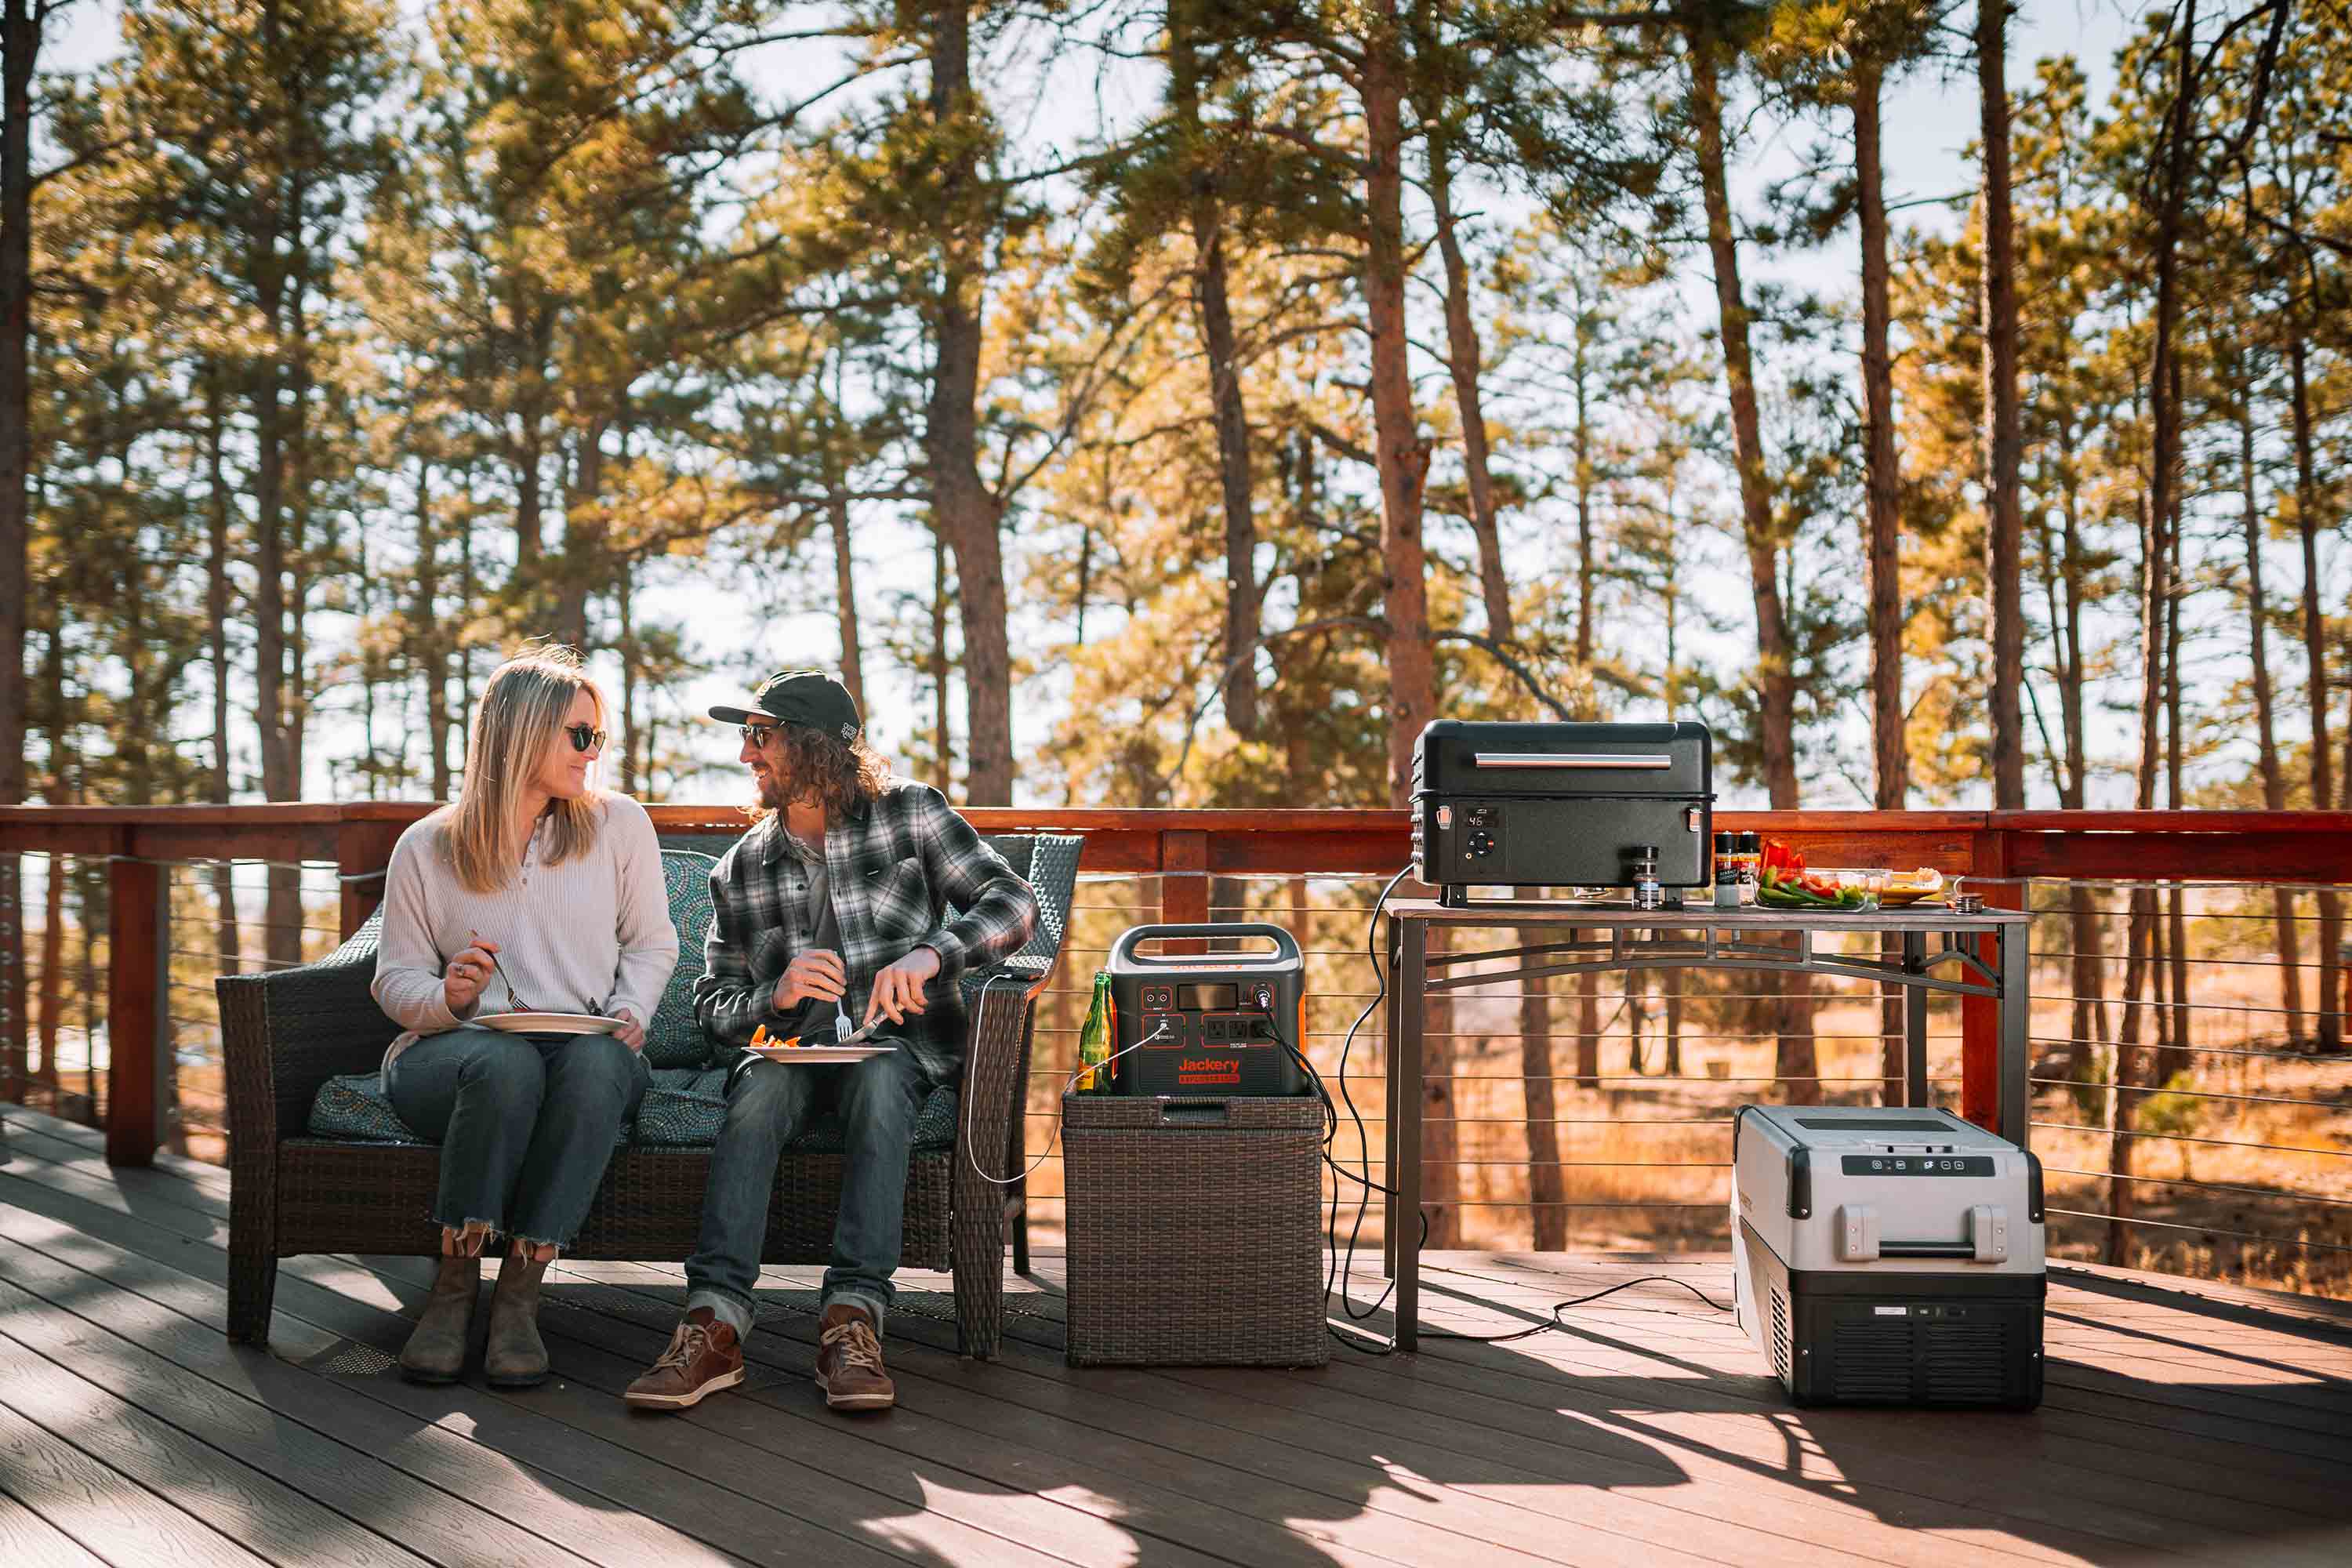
(534,892)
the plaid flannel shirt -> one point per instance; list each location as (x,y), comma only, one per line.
(892,868)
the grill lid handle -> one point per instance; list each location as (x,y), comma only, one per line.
(1632,761)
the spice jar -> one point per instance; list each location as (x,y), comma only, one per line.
(1751,868)
(1649,892)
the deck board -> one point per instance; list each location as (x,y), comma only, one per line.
(2186,1422)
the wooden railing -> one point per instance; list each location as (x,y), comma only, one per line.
(1183,849)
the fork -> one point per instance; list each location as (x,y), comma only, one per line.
(520,1005)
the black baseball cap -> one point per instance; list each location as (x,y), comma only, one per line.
(807,697)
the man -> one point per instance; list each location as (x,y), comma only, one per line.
(836,901)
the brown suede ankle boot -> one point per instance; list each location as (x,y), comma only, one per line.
(436,1351)
(849,1361)
(516,1357)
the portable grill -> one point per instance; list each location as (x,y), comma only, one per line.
(1562,804)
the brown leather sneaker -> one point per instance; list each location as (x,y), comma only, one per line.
(703,1358)
(849,1361)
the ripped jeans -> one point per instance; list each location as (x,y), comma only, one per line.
(526,1123)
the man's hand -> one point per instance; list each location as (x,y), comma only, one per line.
(818,972)
(461,985)
(898,989)
(631,1033)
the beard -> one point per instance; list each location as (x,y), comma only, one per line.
(768,784)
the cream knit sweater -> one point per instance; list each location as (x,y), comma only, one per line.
(591,935)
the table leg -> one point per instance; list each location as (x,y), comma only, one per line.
(1412,976)
(2016,1023)
(1915,1087)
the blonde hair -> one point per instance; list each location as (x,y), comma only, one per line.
(521,715)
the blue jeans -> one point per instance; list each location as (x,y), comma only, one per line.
(769,1104)
(526,1123)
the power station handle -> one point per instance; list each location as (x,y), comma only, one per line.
(1927,1250)
(1192,1113)
(1285,946)
(1645,762)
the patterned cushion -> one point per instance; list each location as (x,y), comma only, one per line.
(684,1108)
(352,1107)
(673,1038)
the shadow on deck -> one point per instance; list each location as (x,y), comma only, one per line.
(2182,1420)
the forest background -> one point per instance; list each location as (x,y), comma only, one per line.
(1176,405)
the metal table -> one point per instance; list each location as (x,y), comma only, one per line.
(1697,937)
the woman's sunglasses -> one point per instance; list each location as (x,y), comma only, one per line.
(585,738)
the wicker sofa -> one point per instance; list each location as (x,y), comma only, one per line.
(287,1035)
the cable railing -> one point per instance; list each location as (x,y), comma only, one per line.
(2190,1100)
(212,917)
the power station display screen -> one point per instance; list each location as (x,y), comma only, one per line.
(1208,998)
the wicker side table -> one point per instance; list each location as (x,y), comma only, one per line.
(1196,1231)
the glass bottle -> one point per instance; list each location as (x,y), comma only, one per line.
(1751,867)
(1094,1040)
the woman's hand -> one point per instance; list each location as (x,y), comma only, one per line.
(898,989)
(462,982)
(818,973)
(631,1033)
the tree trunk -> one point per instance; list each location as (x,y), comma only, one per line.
(1776,676)
(2177,1059)
(1464,359)
(1588,569)
(844,589)
(941,755)
(432,645)
(2308,505)
(1546,1183)
(1588,1023)
(1403,455)
(283,936)
(963,510)
(227,948)
(2290,943)
(60,786)
(624,615)
(1210,300)
(1892,775)
(2003,443)
(584,534)
(2088,939)
(20,40)
(2123,1108)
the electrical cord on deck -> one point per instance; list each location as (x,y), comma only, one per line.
(1340,1275)
(1559,1306)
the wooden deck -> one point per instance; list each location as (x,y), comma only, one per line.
(2182,1420)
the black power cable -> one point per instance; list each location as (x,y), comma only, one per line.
(1339,1276)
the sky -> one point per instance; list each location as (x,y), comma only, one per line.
(1930,120)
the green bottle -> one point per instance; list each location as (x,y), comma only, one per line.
(1094,1041)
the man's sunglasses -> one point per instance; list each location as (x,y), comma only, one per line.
(584,737)
(757,734)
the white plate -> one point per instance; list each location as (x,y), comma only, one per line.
(820,1053)
(548,1023)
